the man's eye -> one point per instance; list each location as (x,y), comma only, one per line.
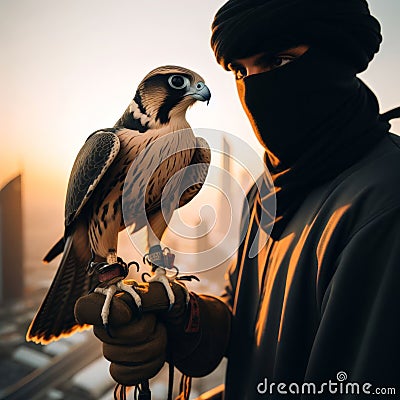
(280,61)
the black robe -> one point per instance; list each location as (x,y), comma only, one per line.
(324,298)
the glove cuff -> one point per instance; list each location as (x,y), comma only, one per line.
(197,352)
(193,322)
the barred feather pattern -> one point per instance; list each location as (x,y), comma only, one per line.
(55,317)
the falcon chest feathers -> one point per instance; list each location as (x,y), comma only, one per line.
(153,129)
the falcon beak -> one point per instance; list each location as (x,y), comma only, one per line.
(200,92)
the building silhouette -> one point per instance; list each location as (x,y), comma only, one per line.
(11,242)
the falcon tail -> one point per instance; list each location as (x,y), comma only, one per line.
(55,317)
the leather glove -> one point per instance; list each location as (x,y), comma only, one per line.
(138,346)
(198,332)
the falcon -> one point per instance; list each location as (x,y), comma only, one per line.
(108,182)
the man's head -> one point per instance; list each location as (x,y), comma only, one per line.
(295,64)
(245,28)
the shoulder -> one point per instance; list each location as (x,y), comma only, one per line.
(371,185)
(378,168)
(361,194)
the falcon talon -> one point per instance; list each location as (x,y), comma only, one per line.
(161,276)
(170,307)
(173,277)
(145,259)
(144,275)
(187,278)
(134,263)
(109,292)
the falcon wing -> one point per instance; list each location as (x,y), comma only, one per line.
(55,317)
(197,172)
(92,162)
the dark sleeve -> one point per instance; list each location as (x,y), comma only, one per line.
(359,330)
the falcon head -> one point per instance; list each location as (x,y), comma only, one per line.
(164,95)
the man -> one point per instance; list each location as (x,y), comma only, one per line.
(317,308)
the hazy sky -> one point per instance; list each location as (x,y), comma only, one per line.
(68,68)
(71,67)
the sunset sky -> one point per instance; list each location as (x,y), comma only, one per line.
(69,68)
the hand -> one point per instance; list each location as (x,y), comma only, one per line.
(197,334)
(155,299)
(137,348)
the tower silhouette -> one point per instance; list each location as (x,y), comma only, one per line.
(11,242)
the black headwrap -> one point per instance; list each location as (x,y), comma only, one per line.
(242,28)
(314,117)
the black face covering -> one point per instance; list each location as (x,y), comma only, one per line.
(315,118)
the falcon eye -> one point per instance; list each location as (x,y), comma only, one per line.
(178,81)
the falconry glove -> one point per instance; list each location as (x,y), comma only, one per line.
(137,348)
(197,331)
